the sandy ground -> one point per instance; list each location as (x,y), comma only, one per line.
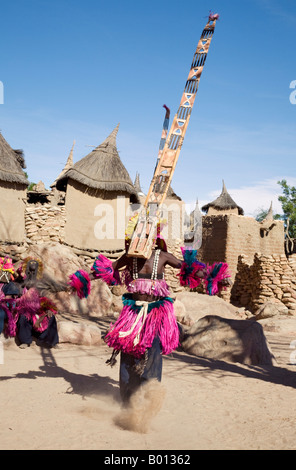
(68,398)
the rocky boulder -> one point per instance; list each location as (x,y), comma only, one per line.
(229,340)
(270,309)
(275,317)
(198,305)
(79,333)
(59,262)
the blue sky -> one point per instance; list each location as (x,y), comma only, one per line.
(74,69)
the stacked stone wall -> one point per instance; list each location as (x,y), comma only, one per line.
(269,277)
(171,274)
(44,223)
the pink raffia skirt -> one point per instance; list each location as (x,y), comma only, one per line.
(140,322)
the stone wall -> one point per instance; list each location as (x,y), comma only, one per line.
(14,251)
(267,278)
(44,223)
(257,278)
(171,274)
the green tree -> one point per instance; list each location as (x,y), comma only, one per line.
(29,188)
(262,213)
(288,201)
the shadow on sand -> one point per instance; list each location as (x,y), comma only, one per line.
(80,384)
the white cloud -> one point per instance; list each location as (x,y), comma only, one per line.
(255,197)
(258,197)
(275,8)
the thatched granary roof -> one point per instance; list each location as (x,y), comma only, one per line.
(69,164)
(11,164)
(269,215)
(137,185)
(101,169)
(172,195)
(223,202)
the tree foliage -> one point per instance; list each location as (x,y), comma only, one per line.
(261,215)
(288,201)
(31,185)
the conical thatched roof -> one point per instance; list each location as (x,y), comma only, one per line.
(223,202)
(137,185)
(269,215)
(172,195)
(10,164)
(101,169)
(69,164)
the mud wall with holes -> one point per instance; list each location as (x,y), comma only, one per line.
(226,237)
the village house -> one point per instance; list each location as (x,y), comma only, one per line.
(98,191)
(88,205)
(13,186)
(227,233)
